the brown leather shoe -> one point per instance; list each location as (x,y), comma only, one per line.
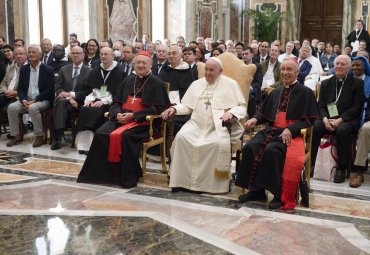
(14,141)
(38,142)
(356,180)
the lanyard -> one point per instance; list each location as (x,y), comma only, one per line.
(340,91)
(358,34)
(106,77)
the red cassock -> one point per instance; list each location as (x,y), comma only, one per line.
(293,164)
(115,138)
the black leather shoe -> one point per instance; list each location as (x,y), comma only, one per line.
(275,203)
(129,182)
(253,196)
(81,152)
(340,175)
(57,144)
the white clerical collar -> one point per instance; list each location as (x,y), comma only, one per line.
(114,64)
(362,77)
(291,84)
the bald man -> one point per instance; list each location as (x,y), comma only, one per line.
(341,103)
(115,150)
(201,150)
(102,84)
(70,90)
(273,159)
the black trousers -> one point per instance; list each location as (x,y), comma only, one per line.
(61,110)
(343,135)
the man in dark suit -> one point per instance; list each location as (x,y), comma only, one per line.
(128,54)
(161,61)
(35,92)
(70,93)
(341,103)
(255,93)
(304,65)
(47,53)
(357,35)
(262,53)
(189,55)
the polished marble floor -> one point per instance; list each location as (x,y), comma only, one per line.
(44,211)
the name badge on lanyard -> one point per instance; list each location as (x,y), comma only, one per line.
(332,107)
(103,87)
(103,90)
(333,110)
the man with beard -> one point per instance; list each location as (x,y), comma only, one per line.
(115,150)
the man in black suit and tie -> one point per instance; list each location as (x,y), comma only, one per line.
(262,53)
(189,55)
(47,53)
(341,102)
(255,96)
(70,93)
(35,92)
(129,53)
(161,59)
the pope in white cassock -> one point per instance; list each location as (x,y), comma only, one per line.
(201,151)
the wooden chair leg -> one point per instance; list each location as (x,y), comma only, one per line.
(143,159)
(21,126)
(163,157)
(74,129)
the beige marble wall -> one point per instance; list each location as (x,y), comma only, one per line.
(176,25)
(76,20)
(3,24)
(293,19)
(122,21)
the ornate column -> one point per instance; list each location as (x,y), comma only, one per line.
(208,14)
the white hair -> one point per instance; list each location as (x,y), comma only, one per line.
(36,46)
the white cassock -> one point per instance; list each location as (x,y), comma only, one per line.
(201,151)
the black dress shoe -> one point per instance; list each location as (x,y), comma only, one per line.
(57,144)
(253,196)
(81,152)
(129,182)
(275,203)
(176,189)
(340,175)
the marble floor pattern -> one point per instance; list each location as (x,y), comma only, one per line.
(44,211)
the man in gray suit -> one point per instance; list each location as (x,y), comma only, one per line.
(70,92)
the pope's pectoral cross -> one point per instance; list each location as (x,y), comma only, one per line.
(207,104)
(133,100)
